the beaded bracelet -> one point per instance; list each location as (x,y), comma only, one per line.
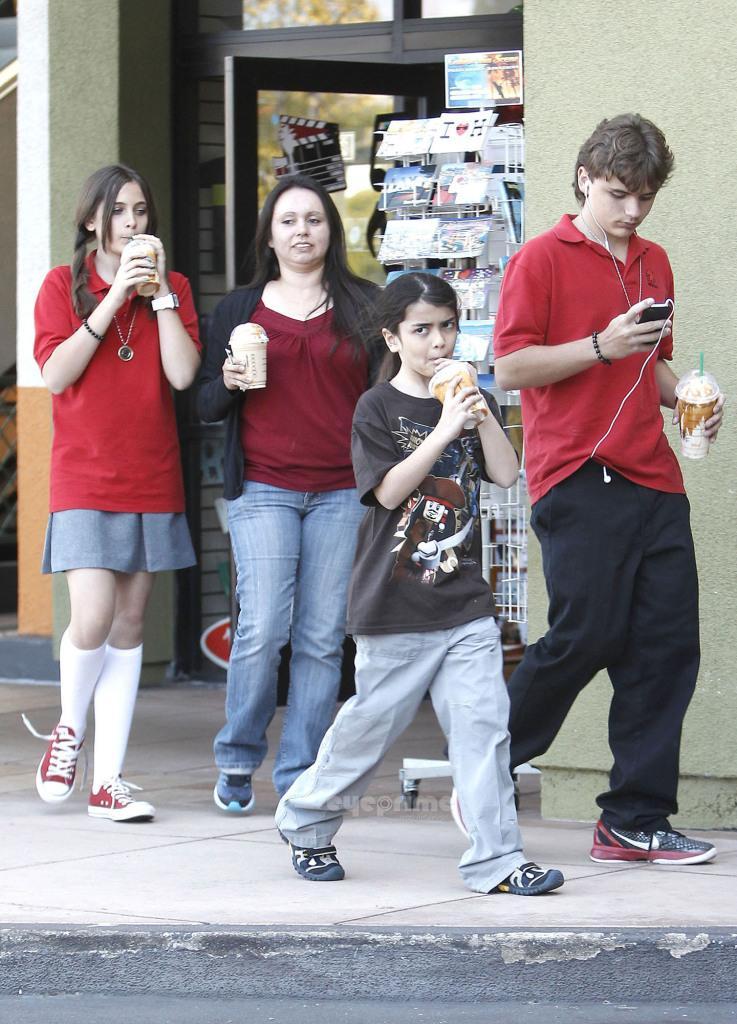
(599,354)
(94,334)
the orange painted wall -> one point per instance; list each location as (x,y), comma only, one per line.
(34,449)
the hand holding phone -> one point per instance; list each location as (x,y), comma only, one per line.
(658,311)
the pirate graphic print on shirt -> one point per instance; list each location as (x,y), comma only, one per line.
(418,566)
(439,518)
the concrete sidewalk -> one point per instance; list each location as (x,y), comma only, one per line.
(197,870)
(197,866)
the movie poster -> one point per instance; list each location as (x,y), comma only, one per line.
(483,79)
(311,147)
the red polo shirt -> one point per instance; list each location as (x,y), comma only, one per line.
(115,446)
(561,287)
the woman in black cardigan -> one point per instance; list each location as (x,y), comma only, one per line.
(293,511)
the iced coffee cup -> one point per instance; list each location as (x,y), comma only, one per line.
(140,247)
(441,381)
(247,345)
(697,393)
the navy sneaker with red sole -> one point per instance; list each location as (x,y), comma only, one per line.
(530,880)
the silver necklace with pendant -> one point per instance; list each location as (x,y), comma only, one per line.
(125,352)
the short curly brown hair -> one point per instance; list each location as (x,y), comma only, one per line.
(628,147)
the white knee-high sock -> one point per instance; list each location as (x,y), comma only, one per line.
(115,698)
(79,671)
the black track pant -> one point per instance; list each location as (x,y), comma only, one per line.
(621,577)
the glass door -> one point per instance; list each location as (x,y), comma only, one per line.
(260,93)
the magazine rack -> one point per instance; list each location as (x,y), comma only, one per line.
(469,215)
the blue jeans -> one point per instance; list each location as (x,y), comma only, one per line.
(293,553)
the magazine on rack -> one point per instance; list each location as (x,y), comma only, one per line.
(474,340)
(504,149)
(392,275)
(511,199)
(462,133)
(471,285)
(464,185)
(407,186)
(408,240)
(407,138)
(462,237)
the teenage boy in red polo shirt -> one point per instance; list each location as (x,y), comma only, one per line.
(609,506)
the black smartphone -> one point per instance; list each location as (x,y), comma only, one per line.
(658,311)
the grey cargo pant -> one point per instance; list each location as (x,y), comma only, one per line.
(462,668)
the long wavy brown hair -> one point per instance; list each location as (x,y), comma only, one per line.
(101,189)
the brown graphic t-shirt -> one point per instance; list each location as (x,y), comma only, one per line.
(418,567)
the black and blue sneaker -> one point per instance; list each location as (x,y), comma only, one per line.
(317,865)
(234,793)
(531,880)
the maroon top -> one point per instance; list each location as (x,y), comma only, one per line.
(296,432)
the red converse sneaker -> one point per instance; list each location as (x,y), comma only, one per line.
(113,800)
(55,775)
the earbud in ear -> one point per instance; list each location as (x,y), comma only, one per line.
(588,189)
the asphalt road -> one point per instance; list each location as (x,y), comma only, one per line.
(149,1009)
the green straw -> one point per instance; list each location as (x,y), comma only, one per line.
(701,364)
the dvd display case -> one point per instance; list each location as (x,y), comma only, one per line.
(454,203)
(455,207)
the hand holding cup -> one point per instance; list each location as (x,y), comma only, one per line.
(146,253)
(459,376)
(236,376)
(245,364)
(698,403)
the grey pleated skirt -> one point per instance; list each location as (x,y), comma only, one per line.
(121,541)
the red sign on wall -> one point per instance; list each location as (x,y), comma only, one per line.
(215,642)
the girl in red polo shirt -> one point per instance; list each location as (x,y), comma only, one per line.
(110,358)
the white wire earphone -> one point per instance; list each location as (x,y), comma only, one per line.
(605,236)
(607,478)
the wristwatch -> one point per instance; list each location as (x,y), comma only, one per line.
(170,301)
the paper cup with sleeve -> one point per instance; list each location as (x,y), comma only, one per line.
(140,247)
(247,345)
(442,380)
(697,393)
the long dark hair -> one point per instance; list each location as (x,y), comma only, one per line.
(391,308)
(102,187)
(350,294)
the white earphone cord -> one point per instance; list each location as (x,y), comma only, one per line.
(603,438)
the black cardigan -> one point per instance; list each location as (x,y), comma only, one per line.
(215,402)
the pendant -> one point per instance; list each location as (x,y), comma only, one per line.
(125,352)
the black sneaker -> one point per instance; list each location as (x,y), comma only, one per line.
(234,793)
(531,880)
(662,847)
(318,865)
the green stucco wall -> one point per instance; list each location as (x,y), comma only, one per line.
(585,61)
(110,101)
(8,223)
